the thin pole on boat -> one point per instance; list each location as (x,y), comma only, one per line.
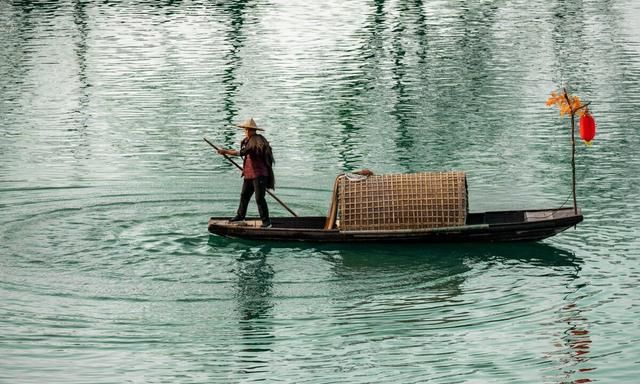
(573,147)
(240,168)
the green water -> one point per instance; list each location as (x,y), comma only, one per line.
(108,275)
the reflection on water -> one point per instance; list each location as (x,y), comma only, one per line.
(406,255)
(570,357)
(575,345)
(438,272)
(235,38)
(255,277)
(255,302)
(400,299)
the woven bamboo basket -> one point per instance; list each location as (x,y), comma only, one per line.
(401,201)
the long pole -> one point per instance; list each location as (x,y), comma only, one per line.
(240,168)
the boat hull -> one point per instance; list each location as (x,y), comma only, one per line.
(498,226)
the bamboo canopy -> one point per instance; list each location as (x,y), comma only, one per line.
(399,201)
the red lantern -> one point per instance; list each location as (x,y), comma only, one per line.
(587,127)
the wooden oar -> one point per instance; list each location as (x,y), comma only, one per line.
(240,168)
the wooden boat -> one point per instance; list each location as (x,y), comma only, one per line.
(426,208)
(525,225)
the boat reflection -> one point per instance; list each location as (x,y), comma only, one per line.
(380,256)
(403,256)
(417,275)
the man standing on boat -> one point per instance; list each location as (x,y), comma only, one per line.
(257,170)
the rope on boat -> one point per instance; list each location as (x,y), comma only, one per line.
(561,206)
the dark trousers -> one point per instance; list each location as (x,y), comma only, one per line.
(259,187)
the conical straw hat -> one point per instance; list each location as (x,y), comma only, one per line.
(249,124)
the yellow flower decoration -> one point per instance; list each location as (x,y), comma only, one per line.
(567,104)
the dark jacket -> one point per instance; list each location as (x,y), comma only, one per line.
(258,148)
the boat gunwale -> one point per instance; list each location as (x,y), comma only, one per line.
(311,234)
